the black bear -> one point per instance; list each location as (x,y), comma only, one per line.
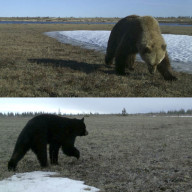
(49,129)
(135,34)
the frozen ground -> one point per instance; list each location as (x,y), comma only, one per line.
(179,46)
(42,182)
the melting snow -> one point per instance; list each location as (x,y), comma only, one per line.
(179,47)
(42,182)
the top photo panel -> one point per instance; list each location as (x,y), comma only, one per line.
(98,48)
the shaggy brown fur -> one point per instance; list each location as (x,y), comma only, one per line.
(135,34)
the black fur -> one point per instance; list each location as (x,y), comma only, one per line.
(48,129)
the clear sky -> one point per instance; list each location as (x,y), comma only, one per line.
(93,105)
(94,8)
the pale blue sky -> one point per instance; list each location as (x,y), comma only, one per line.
(94,105)
(94,8)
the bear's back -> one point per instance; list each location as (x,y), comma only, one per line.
(46,123)
(151,33)
(136,25)
(150,25)
(128,24)
(46,126)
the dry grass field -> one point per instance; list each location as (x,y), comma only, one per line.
(120,154)
(35,65)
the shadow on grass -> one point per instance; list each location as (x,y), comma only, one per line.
(74,65)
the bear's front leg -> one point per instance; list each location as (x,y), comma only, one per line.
(130,61)
(120,63)
(165,69)
(123,57)
(71,151)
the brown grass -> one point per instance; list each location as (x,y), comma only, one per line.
(34,65)
(120,154)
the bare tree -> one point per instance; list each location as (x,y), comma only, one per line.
(124,112)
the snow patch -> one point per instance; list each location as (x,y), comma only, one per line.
(42,182)
(179,47)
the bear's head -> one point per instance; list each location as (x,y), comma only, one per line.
(151,46)
(153,54)
(81,128)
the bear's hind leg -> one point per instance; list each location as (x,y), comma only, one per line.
(130,61)
(41,152)
(18,154)
(165,69)
(53,153)
(111,49)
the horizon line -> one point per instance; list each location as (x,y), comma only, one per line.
(86,17)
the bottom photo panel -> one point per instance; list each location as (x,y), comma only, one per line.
(95,144)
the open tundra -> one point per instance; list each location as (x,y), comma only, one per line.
(33,64)
(120,154)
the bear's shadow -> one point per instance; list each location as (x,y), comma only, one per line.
(74,65)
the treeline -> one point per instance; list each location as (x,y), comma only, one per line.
(24,114)
(124,113)
(179,17)
(29,114)
(174,112)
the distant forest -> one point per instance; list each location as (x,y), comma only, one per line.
(124,113)
(174,112)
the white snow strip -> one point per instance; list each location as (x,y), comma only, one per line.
(42,182)
(98,38)
(179,47)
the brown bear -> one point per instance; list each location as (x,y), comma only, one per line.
(135,34)
(49,129)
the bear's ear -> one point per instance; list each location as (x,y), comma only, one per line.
(164,46)
(82,119)
(147,49)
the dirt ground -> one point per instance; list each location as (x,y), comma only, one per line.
(35,65)
(120,154)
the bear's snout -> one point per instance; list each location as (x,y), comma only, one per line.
(83,133)
(152,68)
